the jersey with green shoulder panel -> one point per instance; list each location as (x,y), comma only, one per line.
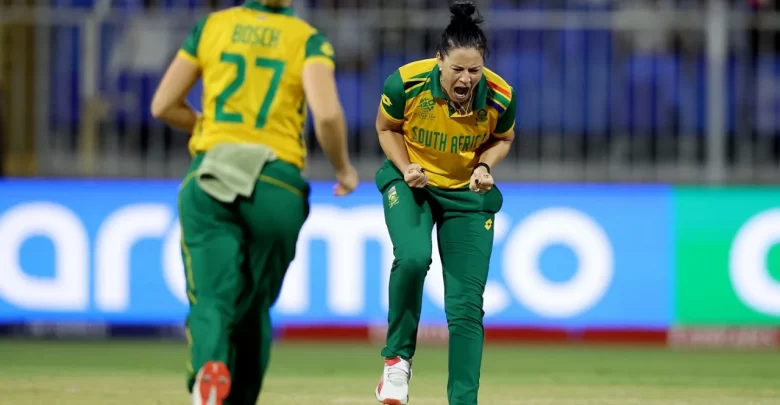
(251,59)
(438,138)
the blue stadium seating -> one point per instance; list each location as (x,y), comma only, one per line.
(566,81)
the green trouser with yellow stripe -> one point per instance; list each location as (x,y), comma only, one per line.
(464,224)
(236,255)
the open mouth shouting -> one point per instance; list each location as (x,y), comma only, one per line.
(461,93)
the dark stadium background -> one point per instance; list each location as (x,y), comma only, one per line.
(636,257)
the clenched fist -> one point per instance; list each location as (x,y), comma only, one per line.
(415,177)
(481,180)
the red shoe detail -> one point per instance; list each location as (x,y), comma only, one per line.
(393,361)
(215,375)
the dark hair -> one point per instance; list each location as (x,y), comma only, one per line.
(464,30)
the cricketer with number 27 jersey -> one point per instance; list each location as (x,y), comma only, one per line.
(252,59)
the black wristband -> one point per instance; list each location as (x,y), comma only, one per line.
(483,164)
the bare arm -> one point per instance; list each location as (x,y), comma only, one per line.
(493,152)
(319,84)
(497,149)
(391,139)
(169,104)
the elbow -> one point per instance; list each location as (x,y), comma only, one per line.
(159,108)
(158,111)
(381,132)
(385,131)
(380,125)
(329,119)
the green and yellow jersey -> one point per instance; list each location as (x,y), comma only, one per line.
(438,138)
(251,59)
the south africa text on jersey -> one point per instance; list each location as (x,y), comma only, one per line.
(445,143)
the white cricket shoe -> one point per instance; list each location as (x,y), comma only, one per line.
(212,385)
(393,388)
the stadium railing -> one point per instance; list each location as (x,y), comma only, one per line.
(607,91)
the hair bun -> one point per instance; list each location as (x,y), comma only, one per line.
(463,9)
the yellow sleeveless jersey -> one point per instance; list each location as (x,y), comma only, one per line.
(251,60)
(437,138)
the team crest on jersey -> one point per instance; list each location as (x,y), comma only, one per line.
(392,198)
(482,116)
(488,224)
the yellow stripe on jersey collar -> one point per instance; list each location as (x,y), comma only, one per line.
(257,6)
(480,99)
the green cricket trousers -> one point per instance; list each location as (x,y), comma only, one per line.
(235,257)
(464,224)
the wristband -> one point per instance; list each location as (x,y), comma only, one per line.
(483,164)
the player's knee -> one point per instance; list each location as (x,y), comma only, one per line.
(463,316)
(412,264)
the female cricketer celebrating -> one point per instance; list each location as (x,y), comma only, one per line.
(244,200)
(443,124)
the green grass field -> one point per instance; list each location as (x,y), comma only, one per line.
(122,373)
